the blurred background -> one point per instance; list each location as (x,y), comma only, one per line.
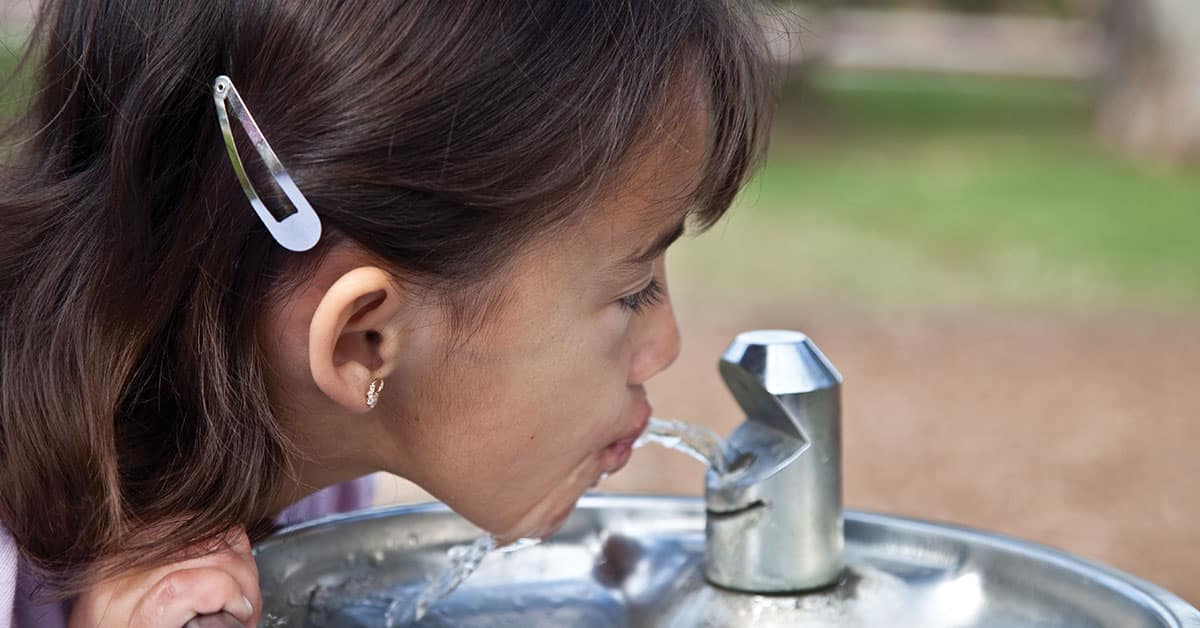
(987,214)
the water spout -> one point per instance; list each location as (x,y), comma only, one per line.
(775,526)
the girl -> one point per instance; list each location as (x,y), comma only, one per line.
(486,190)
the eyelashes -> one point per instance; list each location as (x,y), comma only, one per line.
(644,299)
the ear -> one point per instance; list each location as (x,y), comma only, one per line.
(355,335)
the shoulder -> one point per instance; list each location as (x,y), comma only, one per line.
(22,604)
(8,577)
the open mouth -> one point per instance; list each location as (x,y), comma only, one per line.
(618,453)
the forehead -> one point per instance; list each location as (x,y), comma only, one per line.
(652,192)
(644,198)
(650,196)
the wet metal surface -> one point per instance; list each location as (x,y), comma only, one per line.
(638,561)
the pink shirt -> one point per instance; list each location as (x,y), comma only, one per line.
(19,605)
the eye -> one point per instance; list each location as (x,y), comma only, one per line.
(645,298)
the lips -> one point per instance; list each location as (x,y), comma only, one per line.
(617,454)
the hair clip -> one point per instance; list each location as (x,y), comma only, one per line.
(297,228)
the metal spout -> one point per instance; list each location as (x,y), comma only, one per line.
(774,521)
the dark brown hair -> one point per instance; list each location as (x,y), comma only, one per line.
(439,136)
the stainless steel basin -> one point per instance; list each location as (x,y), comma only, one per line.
(638,561)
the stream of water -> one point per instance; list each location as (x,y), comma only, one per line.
(698,442)
(465,559)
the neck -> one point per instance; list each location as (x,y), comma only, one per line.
(309,476)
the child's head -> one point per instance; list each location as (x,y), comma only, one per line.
(483,170)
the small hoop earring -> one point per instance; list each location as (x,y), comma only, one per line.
(373,392)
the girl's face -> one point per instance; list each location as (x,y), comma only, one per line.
(549,395)
(511,426)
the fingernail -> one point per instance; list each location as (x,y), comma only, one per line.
(249,606)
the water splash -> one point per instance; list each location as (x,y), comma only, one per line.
(464,560)
(698,442)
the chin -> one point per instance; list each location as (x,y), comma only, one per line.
(549,515)
(552,525)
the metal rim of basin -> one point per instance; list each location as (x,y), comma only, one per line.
(1153,598)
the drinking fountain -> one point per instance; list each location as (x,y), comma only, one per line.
(768,545)
(774,519)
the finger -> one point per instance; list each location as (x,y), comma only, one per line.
(220,620)
(236,540)
(181,595)
(233,540)
(235,557)
(240,564)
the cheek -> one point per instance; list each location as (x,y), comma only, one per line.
(554,399)
(506,428)
(556,380)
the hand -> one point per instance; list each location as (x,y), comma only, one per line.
(170,595)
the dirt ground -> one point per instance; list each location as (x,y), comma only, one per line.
(1076,431)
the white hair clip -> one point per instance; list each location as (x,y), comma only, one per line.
(297,229)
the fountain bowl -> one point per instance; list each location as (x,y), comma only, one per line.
(624,560)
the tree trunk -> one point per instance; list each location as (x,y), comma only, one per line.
(1150,91)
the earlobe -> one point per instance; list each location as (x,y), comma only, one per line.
(355,334)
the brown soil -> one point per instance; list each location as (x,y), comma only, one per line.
(1078,432)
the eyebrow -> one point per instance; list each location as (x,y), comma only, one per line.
(658,246)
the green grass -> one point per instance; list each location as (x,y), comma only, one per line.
(11,45)
(890,191)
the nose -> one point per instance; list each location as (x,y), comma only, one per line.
(658,342)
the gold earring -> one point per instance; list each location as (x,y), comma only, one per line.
(373,392)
